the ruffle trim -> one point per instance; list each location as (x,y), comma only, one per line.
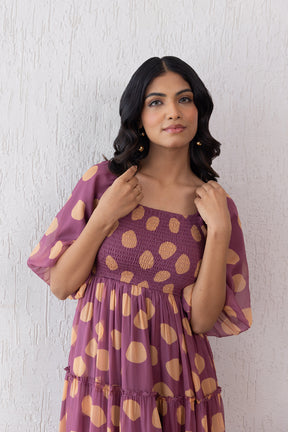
(116,389)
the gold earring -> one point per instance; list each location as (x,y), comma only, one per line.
(141,149)
(199,143)
(143,133)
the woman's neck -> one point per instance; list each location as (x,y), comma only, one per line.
(167,166)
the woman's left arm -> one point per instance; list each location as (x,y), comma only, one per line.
(209,291)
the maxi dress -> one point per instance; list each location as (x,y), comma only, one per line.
(135,364)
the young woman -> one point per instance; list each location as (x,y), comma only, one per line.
(151,246)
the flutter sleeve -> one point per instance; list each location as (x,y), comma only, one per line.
(236,315)
(67,226)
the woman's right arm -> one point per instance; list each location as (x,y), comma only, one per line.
(75,265)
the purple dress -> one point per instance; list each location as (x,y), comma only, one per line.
(135,364)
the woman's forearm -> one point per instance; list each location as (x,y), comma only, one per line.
(75,265)
(209,291)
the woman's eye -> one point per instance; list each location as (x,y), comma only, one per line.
(154,103)
(185,99)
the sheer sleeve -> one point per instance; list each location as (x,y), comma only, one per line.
(236,315)
(67,225)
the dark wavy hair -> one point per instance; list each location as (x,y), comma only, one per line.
(129,137)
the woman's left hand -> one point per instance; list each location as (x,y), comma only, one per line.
(211,203)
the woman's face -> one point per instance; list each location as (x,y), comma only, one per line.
(169,115)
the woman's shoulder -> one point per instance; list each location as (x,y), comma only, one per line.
(99,174)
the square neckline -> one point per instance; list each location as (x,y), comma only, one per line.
(161,211)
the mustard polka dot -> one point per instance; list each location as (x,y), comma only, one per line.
(172,301)
(95,412)
(146,260)
(232,257)
(144,284)
(174,368)
(91,348)
(140,320)
(87,312)
(55,250)
(112,300)
(229,311)
(132,409)
(229,328)
(79,366)
(78,210)
(196,381)
(129,239)
(156,419)
(126,276)
(111,263)
(218,423)
(114,228)
(167,249)
(168,288)
(199,363)
(174,225)
(136,290)
(209,386)
(90,173)
(138,213)
(239,283)
(150,308)
(136,352)
(35,250)
(248,315)
(239,222)
(52,227)
(126,305)
(162,389)
(102,361)
(154,355)
(189,393)
(74,388)
(79,294)
(62,424)
(115,415)
(152,223)
(195,233)
(183,343)
(74,334)
(197,268)
(187,326)
(116,339)
(168,333)
(99,291)
(204,423)
(99,328)
(180,415)
(106,390)
(182,265)
(162,276)
(204,230)
(65,389)
(187,294)
(161,406)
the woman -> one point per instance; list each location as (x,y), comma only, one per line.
(151,246)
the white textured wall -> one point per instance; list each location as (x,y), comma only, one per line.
(64,65)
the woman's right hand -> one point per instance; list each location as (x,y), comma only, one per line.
(120,198)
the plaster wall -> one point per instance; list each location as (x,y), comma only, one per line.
(64,65)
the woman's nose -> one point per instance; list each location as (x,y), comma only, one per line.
(173,112)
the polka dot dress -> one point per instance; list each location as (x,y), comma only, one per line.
(135,365)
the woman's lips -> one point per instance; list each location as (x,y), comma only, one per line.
(174,129)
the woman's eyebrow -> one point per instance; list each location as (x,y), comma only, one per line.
(164,95)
